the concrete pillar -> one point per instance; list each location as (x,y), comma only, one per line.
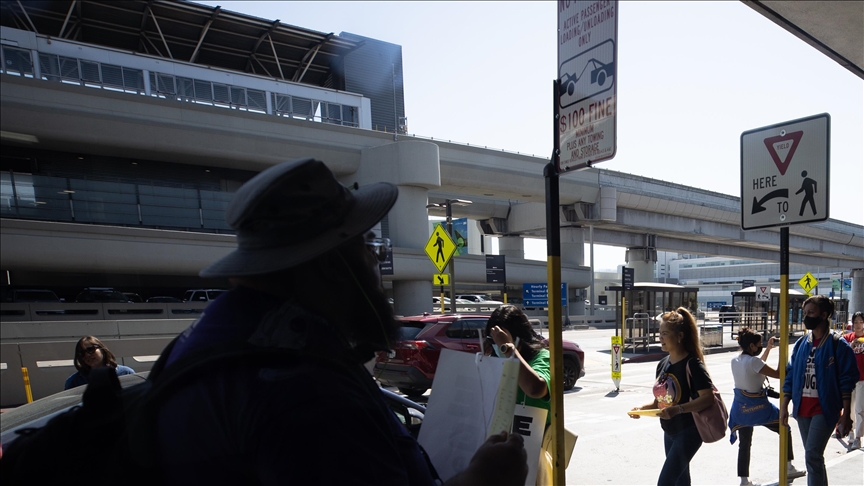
(573,253)
(856,297)
(573,246)
(511,247)
(415,168)
(642,261)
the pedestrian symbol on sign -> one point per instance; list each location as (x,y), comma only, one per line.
(808,282)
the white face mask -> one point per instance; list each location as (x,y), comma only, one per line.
(498,351)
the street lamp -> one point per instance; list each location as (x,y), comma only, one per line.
(448,204)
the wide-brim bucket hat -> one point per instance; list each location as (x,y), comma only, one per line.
(294,212)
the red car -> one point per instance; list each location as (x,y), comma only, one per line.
(410,365)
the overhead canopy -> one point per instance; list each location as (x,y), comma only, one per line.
(190,32)
(834,28)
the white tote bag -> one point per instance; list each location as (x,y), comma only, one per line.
(473,397)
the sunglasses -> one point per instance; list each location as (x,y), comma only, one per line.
(379,247)
(89,350)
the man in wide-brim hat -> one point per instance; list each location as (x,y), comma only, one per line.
(306,279)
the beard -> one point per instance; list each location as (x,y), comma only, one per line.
(373,327)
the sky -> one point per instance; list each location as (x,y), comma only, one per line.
(692,76)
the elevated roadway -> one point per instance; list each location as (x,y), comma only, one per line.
(507,188)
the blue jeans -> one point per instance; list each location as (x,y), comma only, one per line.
(815,432)
(680,448)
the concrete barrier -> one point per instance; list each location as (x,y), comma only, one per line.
(47,350)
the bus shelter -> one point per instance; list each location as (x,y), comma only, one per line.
(762,316)
(645,303)
(841,313)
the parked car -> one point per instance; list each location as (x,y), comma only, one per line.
(133,297)
(28,295)
(478,299)
(729,313)
(101,294)
(164,299)
(410,365)
(202,295)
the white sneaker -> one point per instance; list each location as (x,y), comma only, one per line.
(854,445)
(751,483)
(792,472)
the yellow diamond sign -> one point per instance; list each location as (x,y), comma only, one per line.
(440,248)
(808,282)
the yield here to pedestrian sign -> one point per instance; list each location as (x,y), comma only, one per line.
(440,248)
(784,173)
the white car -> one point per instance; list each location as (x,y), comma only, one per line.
(478,299)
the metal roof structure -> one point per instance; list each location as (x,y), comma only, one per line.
(189,32)
(834,28)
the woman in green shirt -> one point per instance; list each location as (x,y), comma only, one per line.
(506,324)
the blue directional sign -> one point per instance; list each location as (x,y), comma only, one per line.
(537,294)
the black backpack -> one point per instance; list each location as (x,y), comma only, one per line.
(119,422)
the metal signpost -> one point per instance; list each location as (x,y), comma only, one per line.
(584,105)
(784,181)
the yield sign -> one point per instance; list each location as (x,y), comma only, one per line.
(783,146)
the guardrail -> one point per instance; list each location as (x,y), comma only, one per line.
(61,311)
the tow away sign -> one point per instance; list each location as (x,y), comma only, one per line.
(587,82)
(784,173)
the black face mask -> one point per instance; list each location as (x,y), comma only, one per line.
(812,322)
(758,351)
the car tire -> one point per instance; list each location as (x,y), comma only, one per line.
(572,370)
(412,392)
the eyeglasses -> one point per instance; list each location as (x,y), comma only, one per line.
(89,349)
(379,247)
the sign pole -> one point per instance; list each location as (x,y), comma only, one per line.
(452,262)
(442,299)
(553,275)
(784,340)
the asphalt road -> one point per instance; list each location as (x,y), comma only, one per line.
(614,449)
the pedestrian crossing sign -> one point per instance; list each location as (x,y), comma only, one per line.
(440,248)
(808,282)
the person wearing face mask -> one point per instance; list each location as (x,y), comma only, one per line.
(855,338)
(751,407)
(505,325)
(820,377)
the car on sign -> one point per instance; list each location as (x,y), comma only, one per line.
(410,365)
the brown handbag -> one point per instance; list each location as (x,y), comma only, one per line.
(711,421)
